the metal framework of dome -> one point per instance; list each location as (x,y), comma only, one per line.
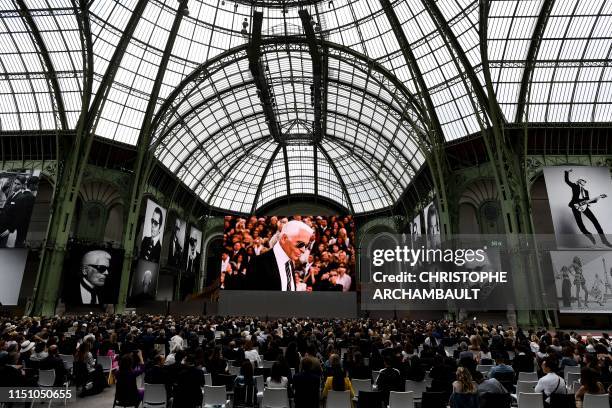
(259,100)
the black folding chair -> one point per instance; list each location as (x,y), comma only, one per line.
(370,399)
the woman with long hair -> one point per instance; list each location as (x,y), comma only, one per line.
(216,364)
(464,390)
(292,356)
(127,391)
(251,354)
(464,384)
(245,386)
(359,369)
(589,384)
(276,378)
(337,380)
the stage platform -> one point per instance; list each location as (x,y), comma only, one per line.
(288,304)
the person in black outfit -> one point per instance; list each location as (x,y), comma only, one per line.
(580,195)
(157,373)
(292,356)
(126,391)
(389,380)
(189,383)
(54,362)
(216,364)
(274,269)
(307,384)
(358,369)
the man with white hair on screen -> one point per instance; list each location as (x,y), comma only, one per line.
(274,269)
(88,286)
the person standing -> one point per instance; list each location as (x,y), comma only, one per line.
(579,204)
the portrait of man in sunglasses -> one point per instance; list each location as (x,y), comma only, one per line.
(274,269)
(93,275)
(150,248)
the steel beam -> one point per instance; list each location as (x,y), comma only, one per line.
(256,66)
(317,71)
(230,169)
(532,53)
(438,162)
(143,161)
(287,178)
(70,178)
(453,43)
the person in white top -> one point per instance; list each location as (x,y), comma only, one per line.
(226,267)
(344,279)
(551,383)
(299,285)
(251,354)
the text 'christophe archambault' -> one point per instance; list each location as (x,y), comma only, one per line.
(469,280)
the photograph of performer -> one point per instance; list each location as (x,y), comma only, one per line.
(580,203)
(566,287)
(150,248)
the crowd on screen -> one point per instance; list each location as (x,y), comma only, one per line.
(328,262)
(308,357)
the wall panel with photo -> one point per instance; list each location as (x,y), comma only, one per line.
(583,280)
(152,232)
(18,192)
(432,225)
(92,274)
(579,198)
(12,267)
(176,247)
(144,281)
(415,231)
(193,252)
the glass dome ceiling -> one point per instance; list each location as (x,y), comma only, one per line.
(549,63)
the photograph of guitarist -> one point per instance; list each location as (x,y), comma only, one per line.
(580,204)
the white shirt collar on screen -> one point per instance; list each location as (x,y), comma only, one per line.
(281,260)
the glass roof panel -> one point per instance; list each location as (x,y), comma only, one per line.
(575,51)
(364,186)
(444,82)
(26,98)
(275,184)
(511,25)
(328,184)
(301,168)
(363,113)
(237,193)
